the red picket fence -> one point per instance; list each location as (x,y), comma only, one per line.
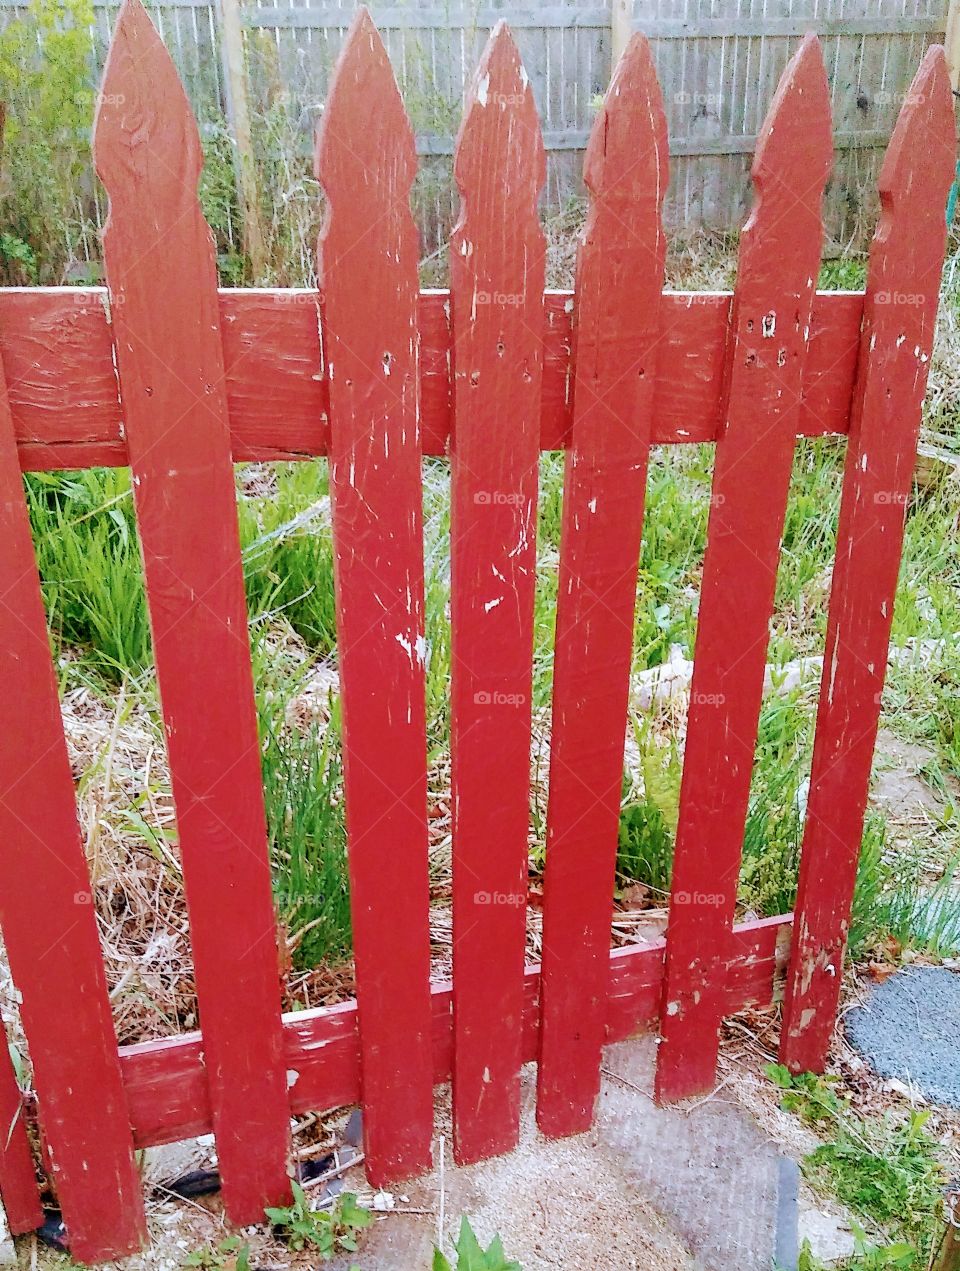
(493,372)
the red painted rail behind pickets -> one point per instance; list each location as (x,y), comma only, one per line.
(180,382)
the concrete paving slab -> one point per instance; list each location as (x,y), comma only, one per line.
(696,1188)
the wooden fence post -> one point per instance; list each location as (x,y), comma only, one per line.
(951,44)
(621,28)
(233,61)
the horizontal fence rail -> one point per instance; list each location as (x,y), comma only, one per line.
(166,374)
(56,345)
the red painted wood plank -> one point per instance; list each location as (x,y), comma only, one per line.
(778,264)
(49,926)
(366,161)
(18,1178)
(496,299)
(56,348)
(165,1082)
(619,282)
(904,277)
(161,271)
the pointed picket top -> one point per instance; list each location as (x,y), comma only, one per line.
(794,153)
(145,137)
(919,164)
(366,156)
(617,330)
(627,154)
(778,264)
(903,285)
(499,137)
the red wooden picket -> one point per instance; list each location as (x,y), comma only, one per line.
(49,925)
(366,161)
(161,270)
(778,265)
(208,378)
(901,306)
(18,1177)
(496,306)
(616,328)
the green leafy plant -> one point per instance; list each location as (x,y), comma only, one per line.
(231,1254)
(867,1256)
(649,811)
(887,1171)
(46,57)
(329,1231)
(472,1257)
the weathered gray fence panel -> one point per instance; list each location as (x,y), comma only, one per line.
(718,61)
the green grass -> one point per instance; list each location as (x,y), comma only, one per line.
(89,559)
(303,794)
(888,1170)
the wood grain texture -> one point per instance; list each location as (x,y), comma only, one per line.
(170,366)
(368,288)
(49,927)
(167,1094)
(619,281)
(496,301)
(56,348)
(18,1177)
(902,293)
(777,269)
